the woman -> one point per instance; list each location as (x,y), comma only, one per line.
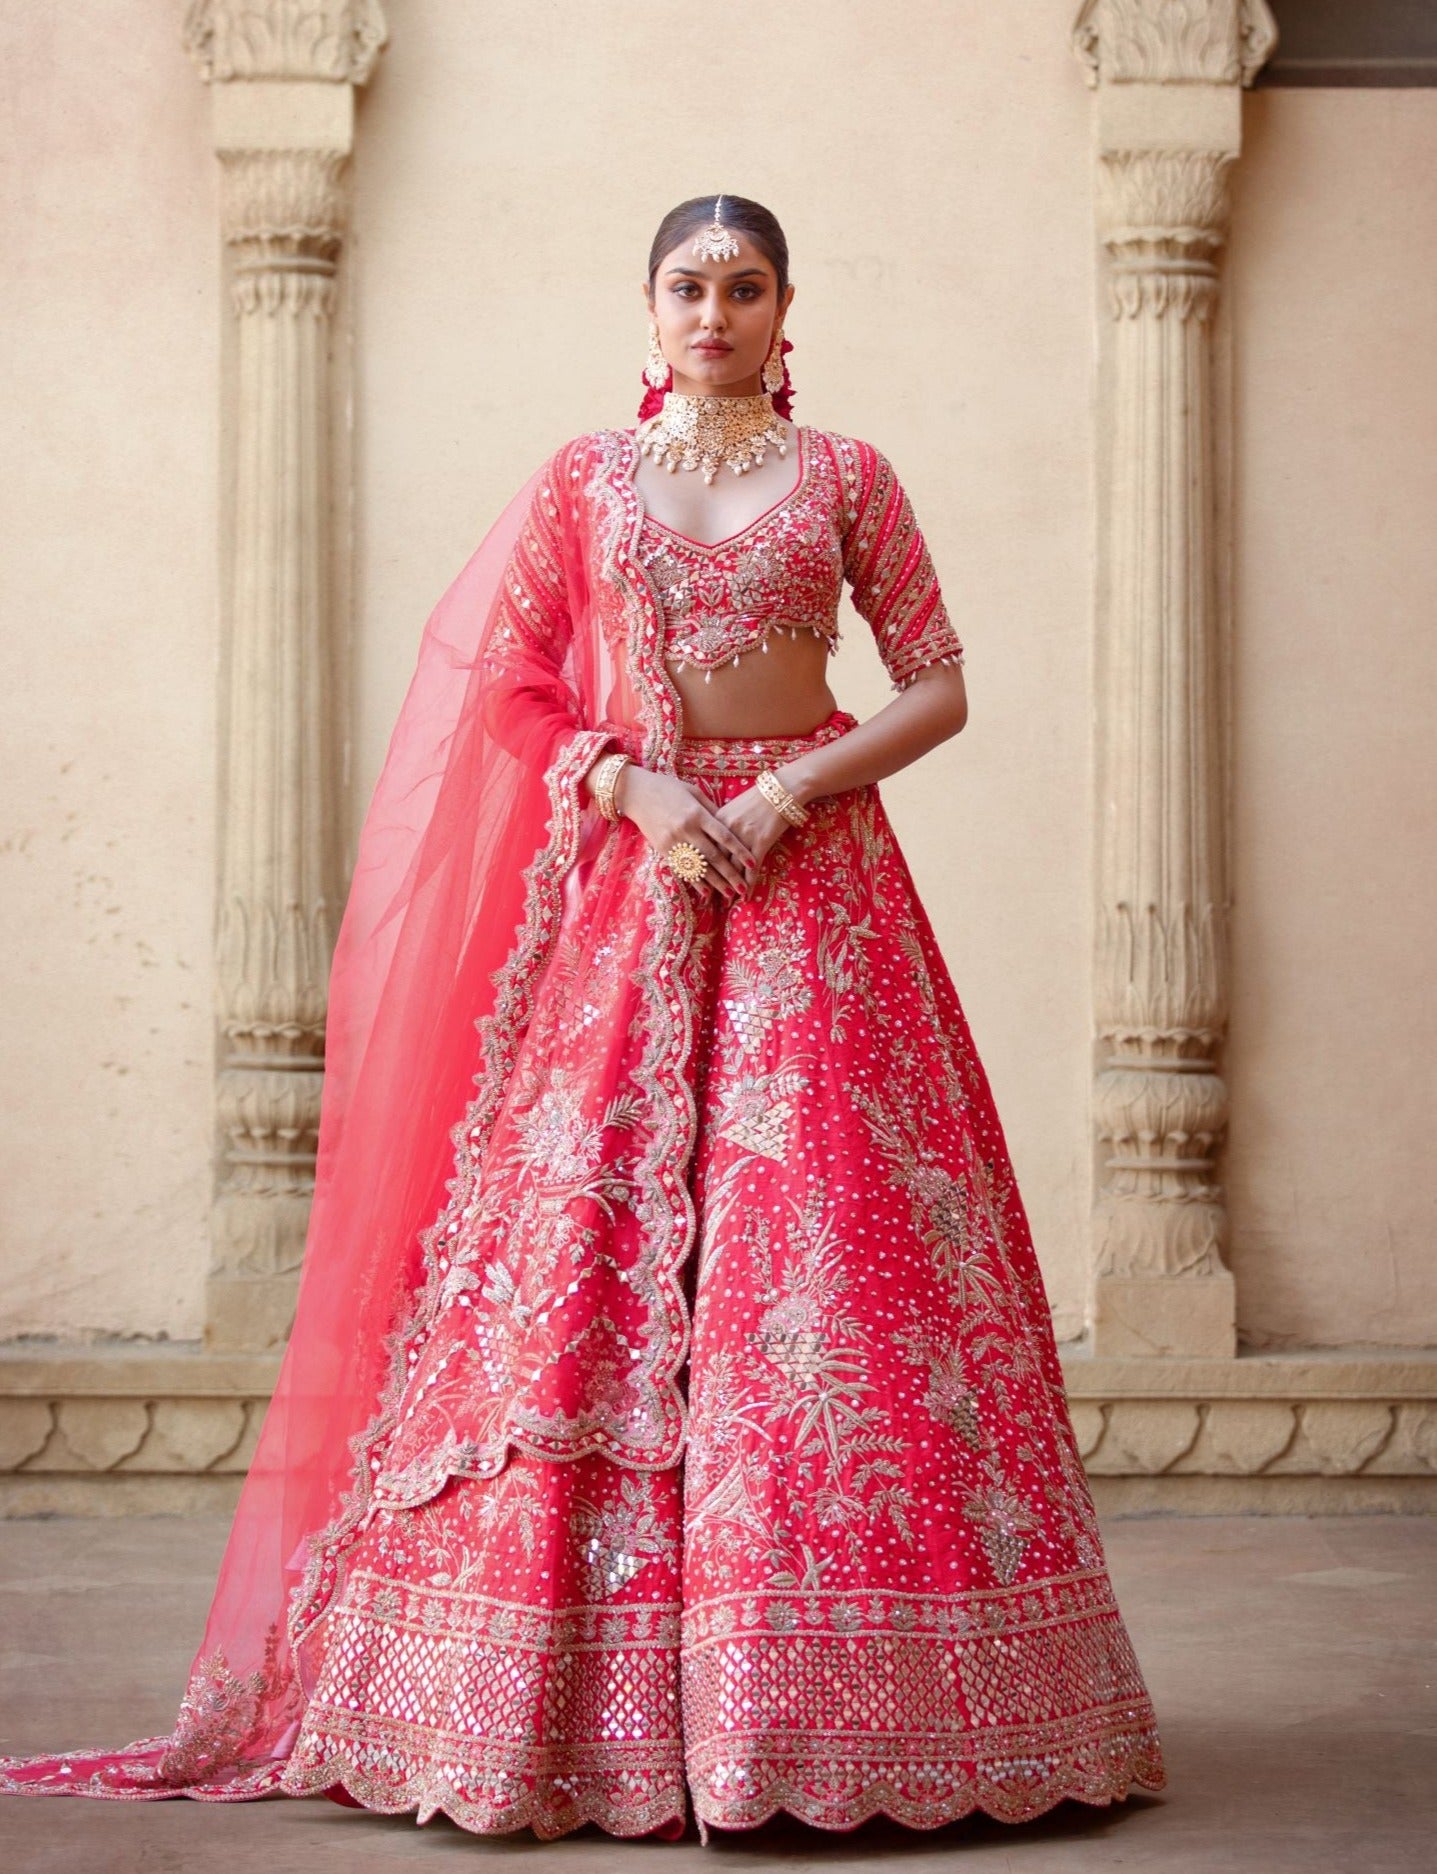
(685,1423)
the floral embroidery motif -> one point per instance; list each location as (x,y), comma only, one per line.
(1005,1519)
(951,1396)
(219,1710)
(620,1537)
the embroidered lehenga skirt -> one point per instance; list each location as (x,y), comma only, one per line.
(874,1582)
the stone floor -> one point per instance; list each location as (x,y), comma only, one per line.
(1291,1661)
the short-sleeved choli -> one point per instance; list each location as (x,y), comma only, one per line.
(846,518)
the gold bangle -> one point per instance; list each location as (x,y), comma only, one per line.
(606,776)
(777,795)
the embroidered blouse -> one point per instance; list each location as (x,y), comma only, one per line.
(847,518)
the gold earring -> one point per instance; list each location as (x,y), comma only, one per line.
(773,364)
(656,365)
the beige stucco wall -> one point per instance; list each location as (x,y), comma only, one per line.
(511,164)
(107,658)
(512,167)
(1334,1025)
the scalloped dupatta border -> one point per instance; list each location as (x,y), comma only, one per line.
(629,613)
(501,1035)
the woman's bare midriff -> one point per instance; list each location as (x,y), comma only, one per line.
(781,691)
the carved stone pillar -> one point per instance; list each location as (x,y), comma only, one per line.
(284,73)
(1169,76)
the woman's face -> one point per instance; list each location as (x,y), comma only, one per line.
(716,318)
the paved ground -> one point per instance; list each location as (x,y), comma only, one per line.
(1291,1661)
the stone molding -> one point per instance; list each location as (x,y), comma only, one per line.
(1273,1415)
(123,1429)
(119,1429)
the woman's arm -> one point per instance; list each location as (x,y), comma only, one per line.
(896,591)
(931,708)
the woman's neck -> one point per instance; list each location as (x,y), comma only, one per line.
(691,387)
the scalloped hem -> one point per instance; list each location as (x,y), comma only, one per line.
(1145,1772)
(426,1796)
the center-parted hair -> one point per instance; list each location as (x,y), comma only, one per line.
(739,213)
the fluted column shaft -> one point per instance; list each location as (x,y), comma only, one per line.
(283,126)
(1161,971)
(1168,124)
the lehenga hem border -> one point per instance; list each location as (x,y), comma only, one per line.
(426,1795)
(1142,1776)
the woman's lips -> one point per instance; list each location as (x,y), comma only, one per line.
(713,351)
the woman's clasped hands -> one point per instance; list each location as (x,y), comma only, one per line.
(735,836)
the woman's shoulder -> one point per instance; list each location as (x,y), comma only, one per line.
(850,449)
(594,446)
(864,473)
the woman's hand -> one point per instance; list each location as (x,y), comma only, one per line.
(666,809)
(756,821)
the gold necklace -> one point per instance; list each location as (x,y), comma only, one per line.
(707,432)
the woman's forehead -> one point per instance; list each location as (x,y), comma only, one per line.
(751,260)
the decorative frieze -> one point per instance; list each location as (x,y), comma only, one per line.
(1275,1433)
(105,1430)
(111,1430)
(1249,1438)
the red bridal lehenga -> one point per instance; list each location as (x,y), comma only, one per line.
(684,1424)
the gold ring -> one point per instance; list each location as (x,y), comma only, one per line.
(684,858)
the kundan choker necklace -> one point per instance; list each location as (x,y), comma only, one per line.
(707,432)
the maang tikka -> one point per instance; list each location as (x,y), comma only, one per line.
(715,241)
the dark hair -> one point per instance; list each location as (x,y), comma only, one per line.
(740,214)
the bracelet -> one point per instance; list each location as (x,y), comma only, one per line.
(606,775)
(777,795)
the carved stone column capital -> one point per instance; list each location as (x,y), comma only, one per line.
(337,40)
(1162,215)
(283,202)
(1215,42)
(283,214)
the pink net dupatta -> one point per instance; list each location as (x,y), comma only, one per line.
(457,886)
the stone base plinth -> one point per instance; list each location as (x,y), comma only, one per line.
(121,1430)
(124,1429)
(248,1313)
(1320,1432)
(1142,1317)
